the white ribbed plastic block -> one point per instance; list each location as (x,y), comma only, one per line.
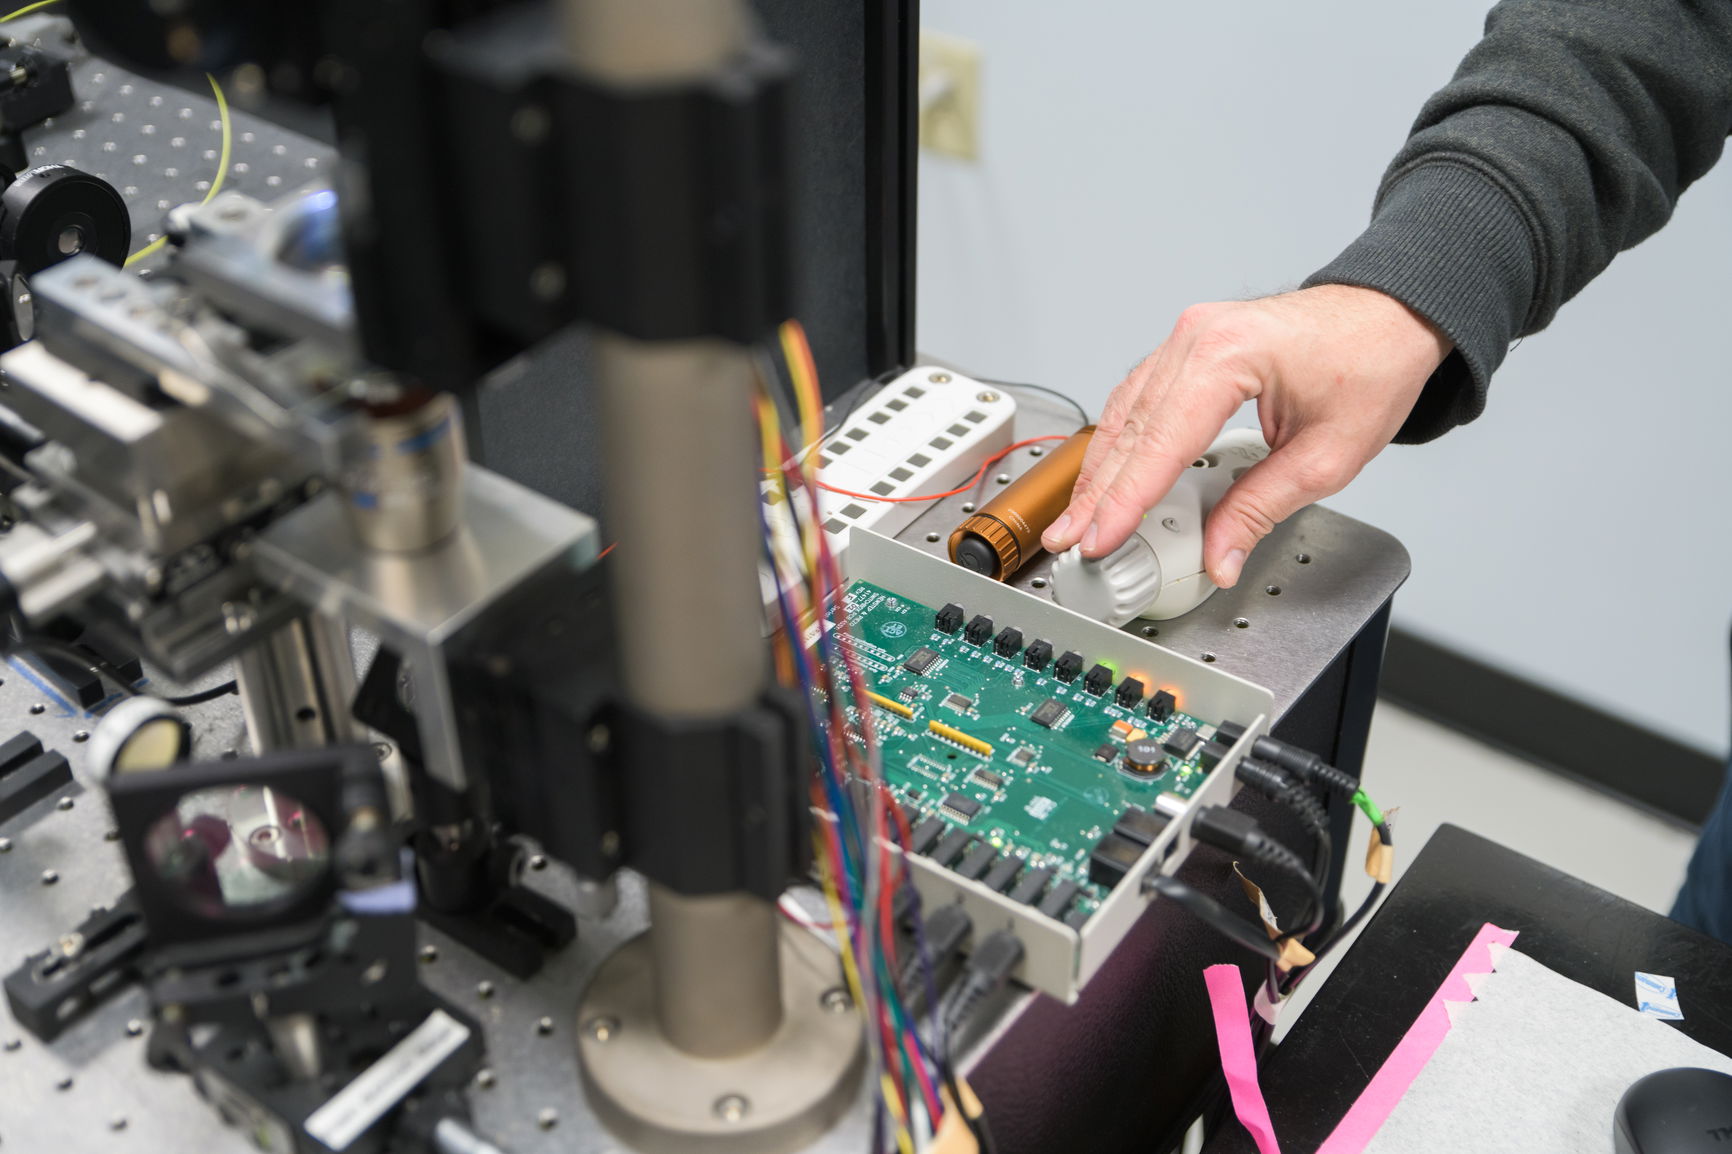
(927,431)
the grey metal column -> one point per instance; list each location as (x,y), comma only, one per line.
(296,687)
(745,1050)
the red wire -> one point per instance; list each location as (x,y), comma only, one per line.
(975,480)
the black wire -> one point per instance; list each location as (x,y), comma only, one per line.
(95,664)
(1215,915)
(1065,397)
(204,695)
(1348,926)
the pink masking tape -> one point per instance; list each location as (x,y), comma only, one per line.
(1238,1055)
(1372,1108)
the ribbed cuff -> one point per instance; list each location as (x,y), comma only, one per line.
(1449,243)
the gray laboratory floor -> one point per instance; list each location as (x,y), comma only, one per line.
(1433,775)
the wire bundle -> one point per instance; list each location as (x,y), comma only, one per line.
(859,872)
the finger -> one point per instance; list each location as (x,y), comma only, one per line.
(1057,536)
(1142,389)
(1139,471)
(1307,469)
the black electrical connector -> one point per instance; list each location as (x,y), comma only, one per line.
(944,931)
(1304,765)
(987,969)
(1238,833)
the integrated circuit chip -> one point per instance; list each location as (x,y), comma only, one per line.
(987,778)
(1182,742)
(1107,753)
(961,806)
(1049,712)
(921,660)
(958,702)
(1022,756)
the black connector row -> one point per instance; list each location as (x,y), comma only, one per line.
(1008,642)
(962,853)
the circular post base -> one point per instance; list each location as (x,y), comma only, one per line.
(779,1097)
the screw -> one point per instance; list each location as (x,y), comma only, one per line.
(986,396)
(1272,590)
(547,282)
(134,1028)
(1303,558)
(429,953)
(602,1029)
(64,803)
(64,1083)
(547,1119)
(1209,657)
(484,989)
(5,845)
(836,1000)
(13,1045)
(117,1124)
(1036,451)
(538,862)
(939,378)
(38,707)
(1241,623)
(486,1079)
(1170,524)
(381,750)
(81,735)
(1151,631)
(544,1027)
(529,123)
(732,1107)
(49,877)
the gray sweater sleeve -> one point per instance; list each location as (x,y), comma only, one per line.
(1566,136)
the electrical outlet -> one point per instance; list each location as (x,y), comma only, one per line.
(949,95)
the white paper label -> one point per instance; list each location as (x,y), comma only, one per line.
(383,1084)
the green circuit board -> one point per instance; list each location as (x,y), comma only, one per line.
(1045,794)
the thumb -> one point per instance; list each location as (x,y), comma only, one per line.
(1306,469)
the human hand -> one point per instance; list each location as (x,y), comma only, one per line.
(1334,370)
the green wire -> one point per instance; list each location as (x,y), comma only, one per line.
(1367,807)
(27,10)
(222,160)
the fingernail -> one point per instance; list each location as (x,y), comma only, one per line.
(1054,534)
(1231,564)
(1089,538)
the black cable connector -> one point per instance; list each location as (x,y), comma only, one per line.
(987,969)
(1304,765)
(944,930)
(1239,834)
(1275,785)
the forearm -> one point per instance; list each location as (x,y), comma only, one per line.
(1565,137)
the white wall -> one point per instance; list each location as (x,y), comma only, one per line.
(1138,156)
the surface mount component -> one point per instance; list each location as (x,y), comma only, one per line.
(1145,755)
(920,660)
(1038,655)
(978,630)
(1049,713)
